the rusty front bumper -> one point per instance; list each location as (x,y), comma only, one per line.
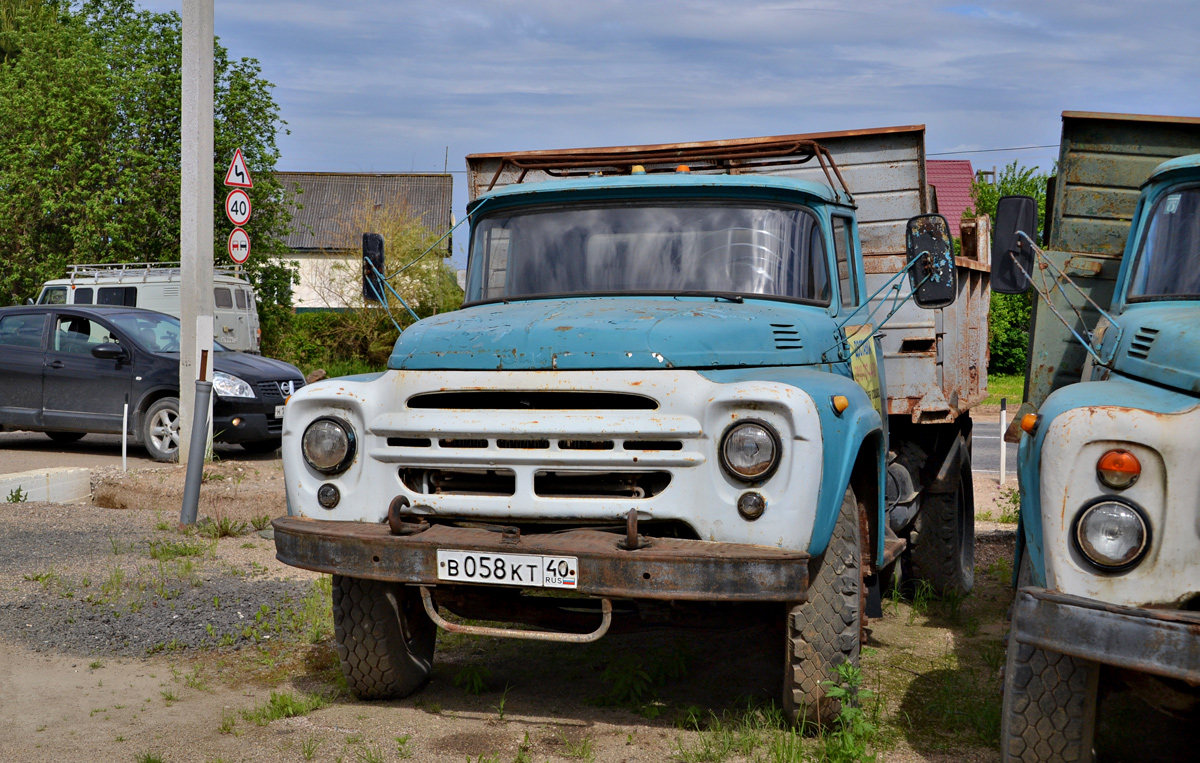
(667,569)
(1156,641)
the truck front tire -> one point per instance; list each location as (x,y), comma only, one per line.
(941,546)
(384,638)
(826,630)
(1049,711)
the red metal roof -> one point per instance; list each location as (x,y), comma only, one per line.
(951,179)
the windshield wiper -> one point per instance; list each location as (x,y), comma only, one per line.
(735,298)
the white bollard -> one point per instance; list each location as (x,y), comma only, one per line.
(1003,423)
(125,433)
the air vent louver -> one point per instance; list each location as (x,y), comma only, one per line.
(786,336)
(1140,346)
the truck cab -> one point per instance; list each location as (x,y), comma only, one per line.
(665,386)
(1109,547)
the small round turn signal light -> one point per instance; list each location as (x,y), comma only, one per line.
(1029,422)
(637,169)
(1118,469)
(236,422)
(751,506)
(840,403)
(683,168)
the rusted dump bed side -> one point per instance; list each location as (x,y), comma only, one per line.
(935,360)
(1103,161)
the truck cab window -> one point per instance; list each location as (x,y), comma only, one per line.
(847,278)
(668,248)
(1168,266)
(83,295)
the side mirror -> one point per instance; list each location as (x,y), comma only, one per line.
(372,267)
(933,278)
(110,351)
(1013,214)
(29,301)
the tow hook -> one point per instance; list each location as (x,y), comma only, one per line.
(632,541)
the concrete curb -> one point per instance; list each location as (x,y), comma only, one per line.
(60,485)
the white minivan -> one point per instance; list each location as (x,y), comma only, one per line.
(155,286)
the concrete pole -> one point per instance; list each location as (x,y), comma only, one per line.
(196,209)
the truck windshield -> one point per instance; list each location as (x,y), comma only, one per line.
(775,251)
(1168,266)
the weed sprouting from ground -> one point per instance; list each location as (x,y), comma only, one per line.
(402,750)
(284,704)
(1010,505)
(856,729)
(16,495)
(472,678)
(261,522)
(308,748)
(633,679)
(168,550)
(224,527)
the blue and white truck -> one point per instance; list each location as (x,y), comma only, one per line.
(666,393)
(1108,552)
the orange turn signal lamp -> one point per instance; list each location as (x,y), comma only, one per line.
(840,403)
(1118,469)
(1029,422)
(683,168)
(637,169)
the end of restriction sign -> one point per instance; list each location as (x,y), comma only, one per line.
(239,246)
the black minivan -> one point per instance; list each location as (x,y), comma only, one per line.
(66,370)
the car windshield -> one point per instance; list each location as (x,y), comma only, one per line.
(157,333)
(667,248)
(1168,266)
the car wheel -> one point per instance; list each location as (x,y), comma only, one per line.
(160,429)
(384,638)
(826,630)
(66,437)
(262,446)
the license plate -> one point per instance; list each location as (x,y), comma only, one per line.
(508,569)
(279,411)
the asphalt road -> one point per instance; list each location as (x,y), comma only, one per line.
(985,447)
(26,451)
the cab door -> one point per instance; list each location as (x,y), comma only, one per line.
(22,356)
(81,392)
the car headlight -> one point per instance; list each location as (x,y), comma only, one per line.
(750,450)
(1113,535)
(328,445)
(228,385)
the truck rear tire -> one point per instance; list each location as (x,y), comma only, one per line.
(1049,711)
(941,546)
(826,630)
(384,638)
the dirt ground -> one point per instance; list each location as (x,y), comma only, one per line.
(147,690)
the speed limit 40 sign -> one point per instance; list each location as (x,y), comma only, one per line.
(237,207)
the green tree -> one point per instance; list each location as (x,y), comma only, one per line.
(1009,314)
(90,149)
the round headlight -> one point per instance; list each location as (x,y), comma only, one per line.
(1112,535)
(328,445)
(750,450)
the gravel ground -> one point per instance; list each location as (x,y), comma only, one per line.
(82,580)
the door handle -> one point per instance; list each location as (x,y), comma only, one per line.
(58,364)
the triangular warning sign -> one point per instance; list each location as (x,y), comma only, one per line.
(238,176)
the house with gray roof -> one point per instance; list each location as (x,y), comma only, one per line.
(329,210)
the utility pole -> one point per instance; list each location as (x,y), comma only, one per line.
(196,210)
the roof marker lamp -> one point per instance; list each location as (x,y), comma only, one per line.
(1111,534)
(1118,469)
(328,445)
(750,451)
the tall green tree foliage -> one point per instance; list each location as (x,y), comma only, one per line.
(1008,314)
(90,123)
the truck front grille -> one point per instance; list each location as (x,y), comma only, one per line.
(505,400)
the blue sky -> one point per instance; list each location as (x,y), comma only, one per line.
(389,85)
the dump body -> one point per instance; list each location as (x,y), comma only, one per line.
(1103,161)
(935,360)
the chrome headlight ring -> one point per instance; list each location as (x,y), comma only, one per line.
(1111,533)
(329,445)
(750,450)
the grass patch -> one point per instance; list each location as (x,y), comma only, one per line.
(284,704)
(1010,386)
(168,550)
(221,528)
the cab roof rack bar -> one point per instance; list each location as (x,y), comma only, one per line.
(726,159)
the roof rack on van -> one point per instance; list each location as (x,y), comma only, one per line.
(135,271)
